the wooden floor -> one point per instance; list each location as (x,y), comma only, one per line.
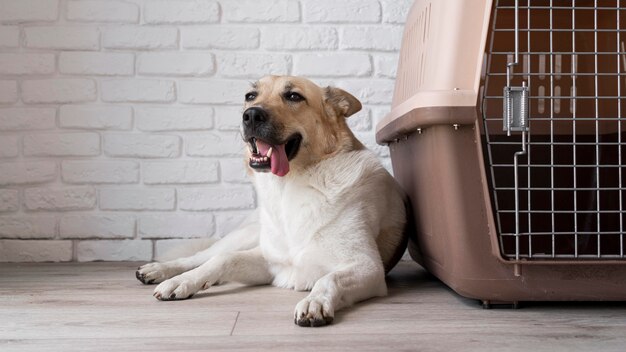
(102,307)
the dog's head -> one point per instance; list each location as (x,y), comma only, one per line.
(291,123)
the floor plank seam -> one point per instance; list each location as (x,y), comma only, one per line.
(235,324)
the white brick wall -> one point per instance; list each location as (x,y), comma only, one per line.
(8,92)
(102,11)
(59,90)
(119,118)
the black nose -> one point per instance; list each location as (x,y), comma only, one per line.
(253,117)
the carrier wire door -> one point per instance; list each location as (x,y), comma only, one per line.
(507,134)
(570,190)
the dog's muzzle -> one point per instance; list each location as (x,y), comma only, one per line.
(253,119)
(268,151)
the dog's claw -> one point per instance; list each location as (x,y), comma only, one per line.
(141,277)
(306,321)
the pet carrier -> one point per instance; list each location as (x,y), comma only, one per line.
(506,132)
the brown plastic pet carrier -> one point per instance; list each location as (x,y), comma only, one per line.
(506,132)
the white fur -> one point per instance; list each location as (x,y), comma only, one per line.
(315,230)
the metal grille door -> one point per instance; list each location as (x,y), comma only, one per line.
(557,183)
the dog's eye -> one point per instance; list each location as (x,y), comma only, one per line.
(251,96)
(293,96)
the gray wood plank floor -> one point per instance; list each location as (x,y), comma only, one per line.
(102,307)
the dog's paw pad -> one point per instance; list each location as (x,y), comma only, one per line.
(175,289)
(152,273)
(314,312)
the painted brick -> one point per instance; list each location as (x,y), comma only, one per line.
(175,225)
(216,198)
(62,144)
(96,117)
(35,251)
(261,11)
(61,90)
(369,141)
(386,65)
(142,145)
(361,121)
(97,226)
(378,114)
(174,118)
(176,64)
(371,38)
(27,226)
(228,221)
(370,91)
(114,250)
(9,200)
(299,38)
(234,170)
(18,119)
(9,36)
(102,11)
(199,11)
(8,92)
(9,147)
(62,37)
(213,91)
(219,37)
(135,37)
(66,198)
(252,66)
(24,172)
(196,171)
(342,11)
(215,144)
(228,118)
(28,10)
(396,11)
(165,250)
(138,90)
(333,65)
(26,64)
(137,199)
(89,63)
(96,171)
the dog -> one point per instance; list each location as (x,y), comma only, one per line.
(330,219)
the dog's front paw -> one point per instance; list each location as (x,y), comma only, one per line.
(314,311)
(153,273)
(176,288)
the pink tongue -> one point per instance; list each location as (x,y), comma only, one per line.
(278,159)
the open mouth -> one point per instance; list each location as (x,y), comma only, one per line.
(273,157)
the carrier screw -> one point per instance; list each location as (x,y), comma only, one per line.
(419,131)
(456,126)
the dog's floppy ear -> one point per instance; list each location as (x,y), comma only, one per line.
(343,102)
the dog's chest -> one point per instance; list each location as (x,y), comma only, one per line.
(291,215)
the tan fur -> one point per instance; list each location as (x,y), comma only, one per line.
(321,120)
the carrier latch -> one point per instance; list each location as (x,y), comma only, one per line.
(515,109)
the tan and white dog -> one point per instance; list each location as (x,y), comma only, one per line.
(330,218)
